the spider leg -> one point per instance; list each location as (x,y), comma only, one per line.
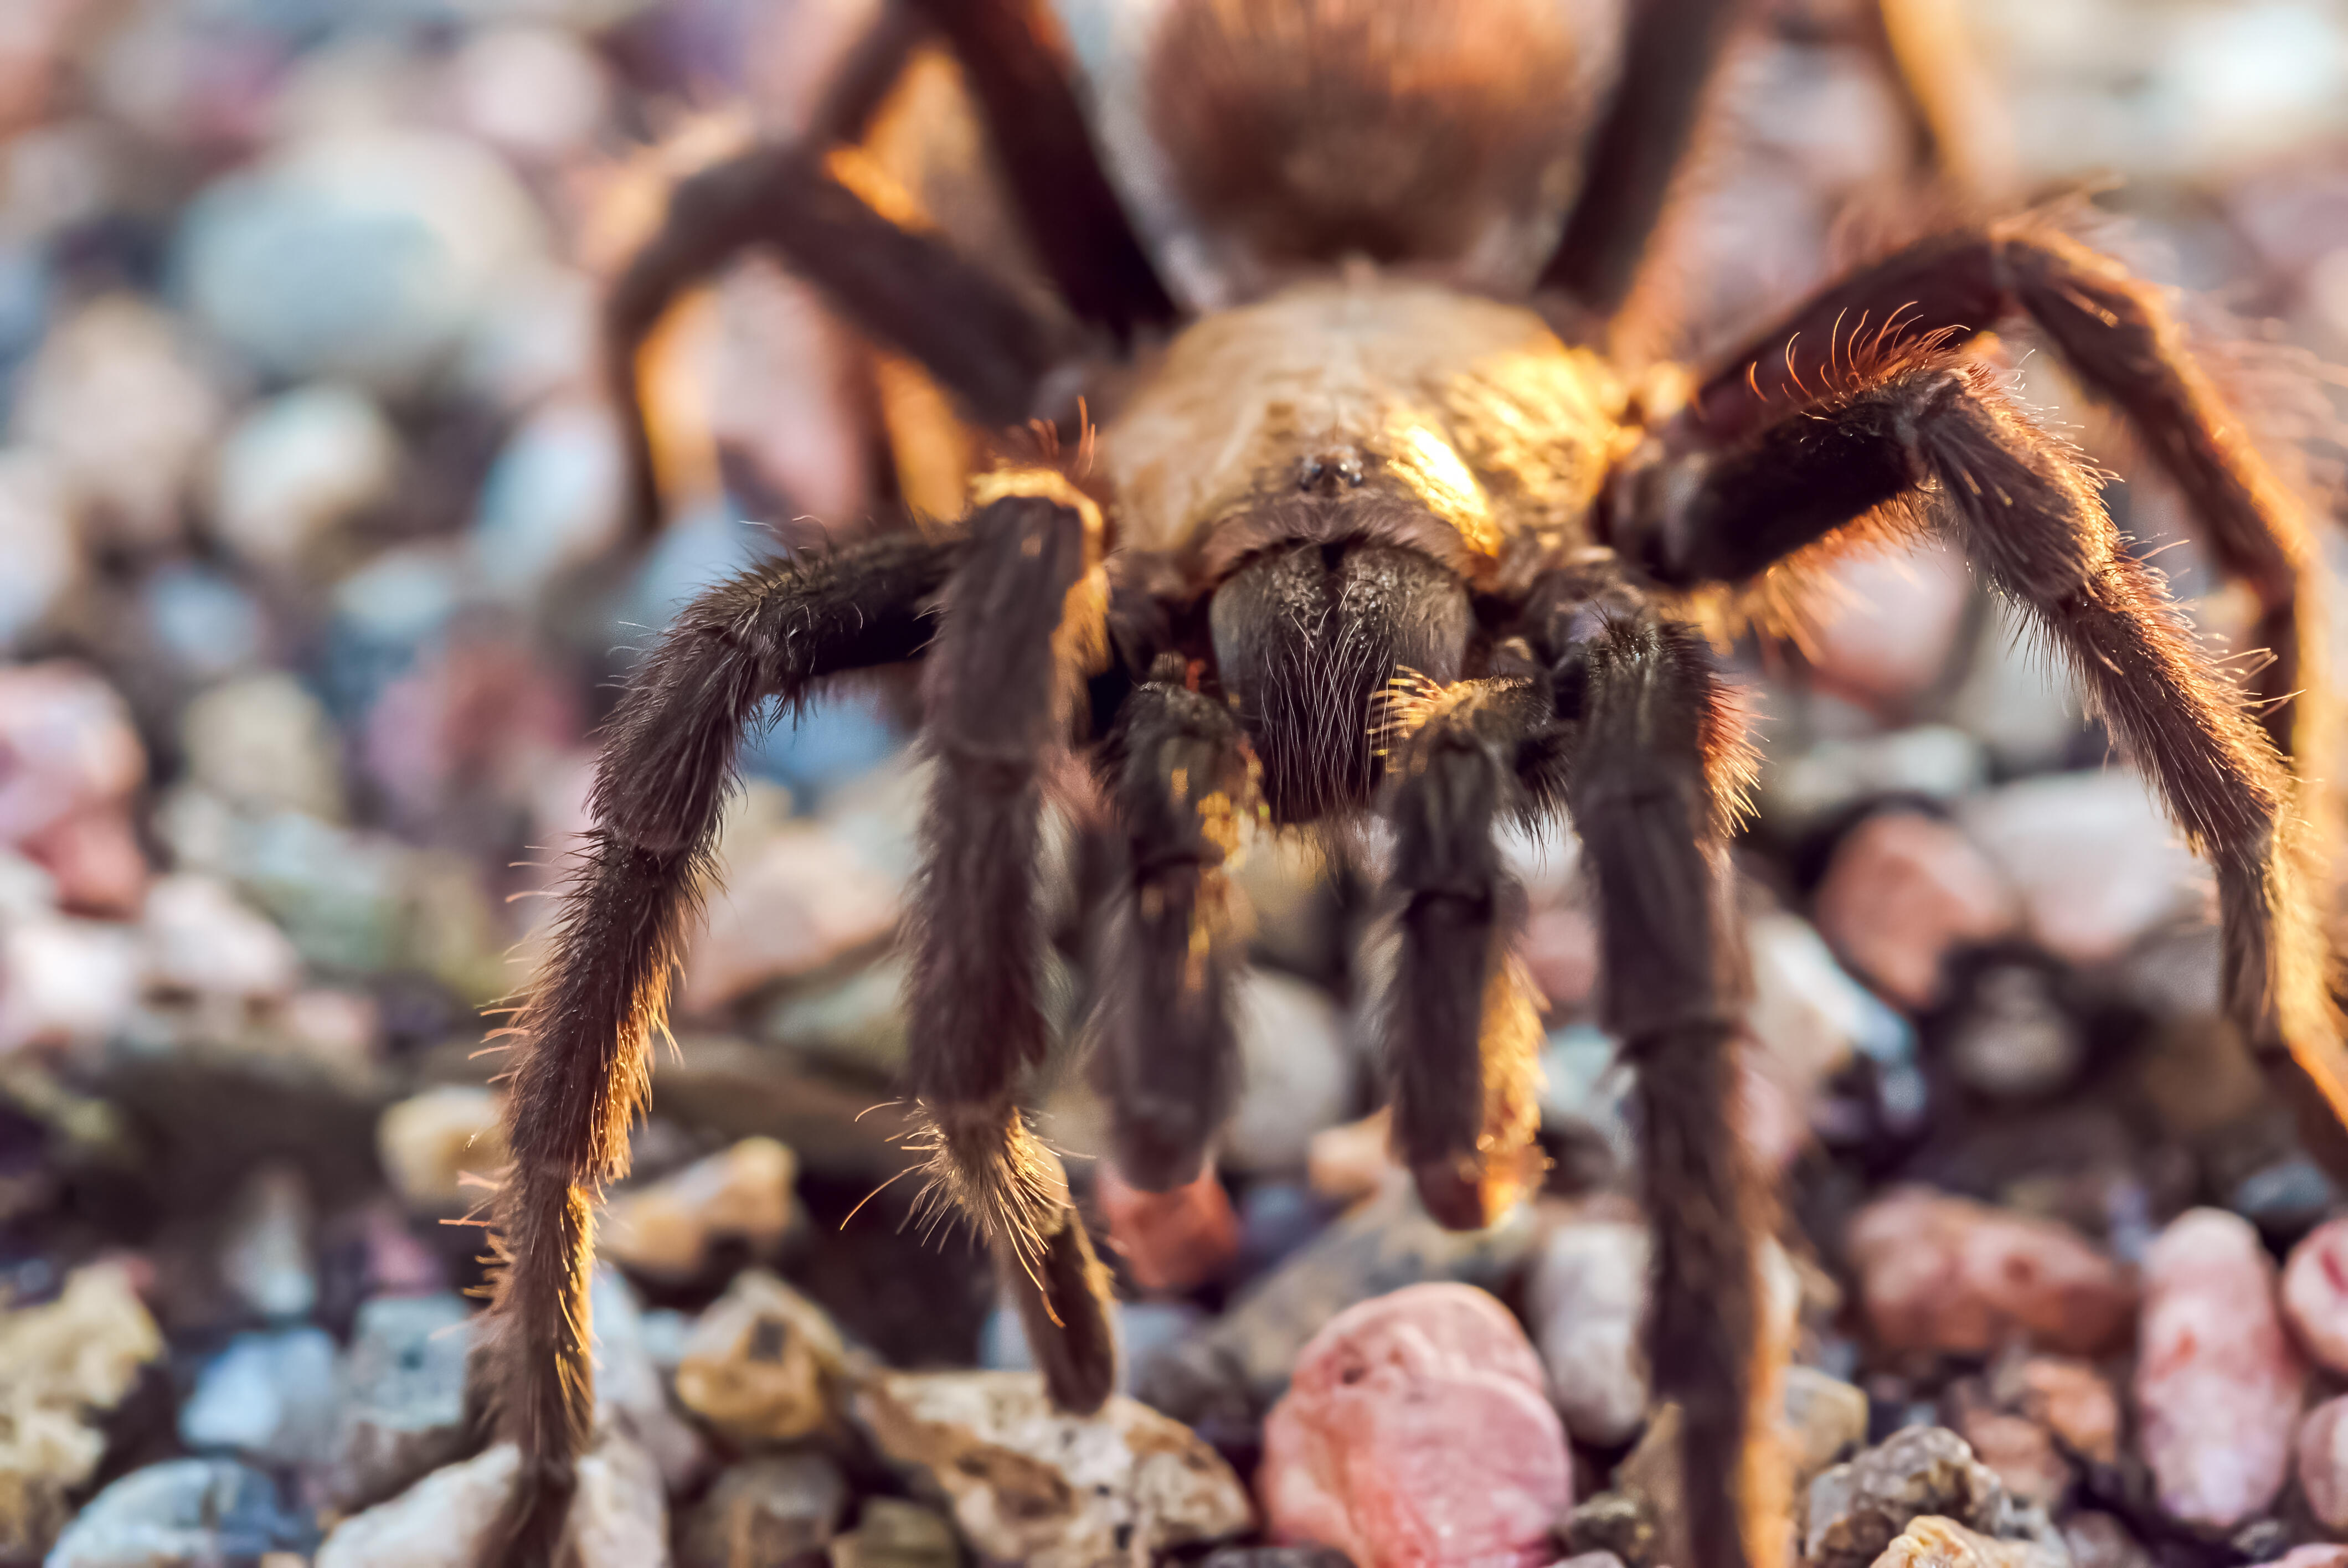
(581,1052)
(2124,343)
(1461,1029)
(1023,617)
(910,290)
(1167,1055)
(2027,514)
(1648,778)
(1671,50)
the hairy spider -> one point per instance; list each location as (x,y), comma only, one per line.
(1370,539)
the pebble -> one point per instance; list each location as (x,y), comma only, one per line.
(766,1512)
(200,940)
(63,1364)
(298,466)
(2099,1540)
(797,901)
(619,1518)
(2315,1293)
(2020,1451)
(40,536)
(631,1388)
(1826,1419)
(1930,1541)
(1885,630)
(1416,1431)
(2094,858)
(1173,1241)
(665,1230)
(2014,1039)
(1346,1163)
(65,982)
(268,1397)
(764,1364)
(263,742)
(2070,1399)
(266,1258)
(1945,1274)
(1809,788)
(2314,1554)
(403,1397)
(894,1533)
(537,92)
(1902,892)
(1227,1374)
(1028,1483)
(1855,1509)
(551,503)
(187,1510)
(74,760)
(1298,1075)
(2285,1200)
(1808,1016)
(856,1026)
(2218,1382)
(1587,1301)
(2323,1461)
(431,1143)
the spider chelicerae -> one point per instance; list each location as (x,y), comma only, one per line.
(1386,531)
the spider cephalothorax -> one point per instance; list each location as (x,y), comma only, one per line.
(1370,537)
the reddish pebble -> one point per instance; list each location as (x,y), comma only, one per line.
(1904,889)
(1417,1433)
(2314,1554)
(2073,1401)
(2323,1461)
(1939,1273)
(1170,1241)
(2218,1382)
(2315,1293)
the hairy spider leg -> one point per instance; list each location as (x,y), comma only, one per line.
(2120,337)
(1461,1029)
(580,1043)
(1653,765)
(2025,512)
(1023,623)
(910,292)
(1166,1051)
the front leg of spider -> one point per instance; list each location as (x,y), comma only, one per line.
(1023,622)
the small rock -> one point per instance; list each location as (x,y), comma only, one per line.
(764,1364)
(551,503)
(1826,1419)
(2285,1200)
(2323,1461)
(1231,1371)
(1298,1075)
(403,1406)
(665,1230)
(1809,1017)
(1417,1430)
(1613,1524)
(270,1397)
(1857,1509)
(1349,1162)
(74,761)
(2314,1554)
(185,1510)
(1031,1484)
(297,467)
(793,904)
(2014,1039)
(534,91)
(1808,788)
(618,1518)
(200,941)
(2094,857)
(2217,1383)
(1902,892)
(2099,1540)
(630,1390)
(1172,1241)
(2315,1293)
(431,1144)
(1588,1300)
(1286,1557)
(2069,1398)
(65,982)
(857,1025)
(1934,1542)
(266,1260)
(62,1363)
(1944,1274)
(766,1512)
(262,742)
(894,1533)
(2020,1452)
(1889,630)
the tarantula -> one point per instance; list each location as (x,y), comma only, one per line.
(1378,537)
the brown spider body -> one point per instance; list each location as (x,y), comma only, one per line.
(1373,527)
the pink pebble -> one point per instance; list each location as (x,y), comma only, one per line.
(2314,1554)
(1903,891)
(2315,1293)
(1171,1241)
(2218,1382)
(1945,1274)
(1417,1433)
(2323,1461)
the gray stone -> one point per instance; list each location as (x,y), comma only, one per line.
(1587,1301)
(2014,1039)
(1229,1375)
(268,1396)
(618,1518)
(187,1510)
(1297,1074)
(403,1397)
(857,1025)
(894,1533)
(1827,1419)
(266,1259)
(1857,1509)
(766,1512)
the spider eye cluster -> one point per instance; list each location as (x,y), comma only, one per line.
(1330,473)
